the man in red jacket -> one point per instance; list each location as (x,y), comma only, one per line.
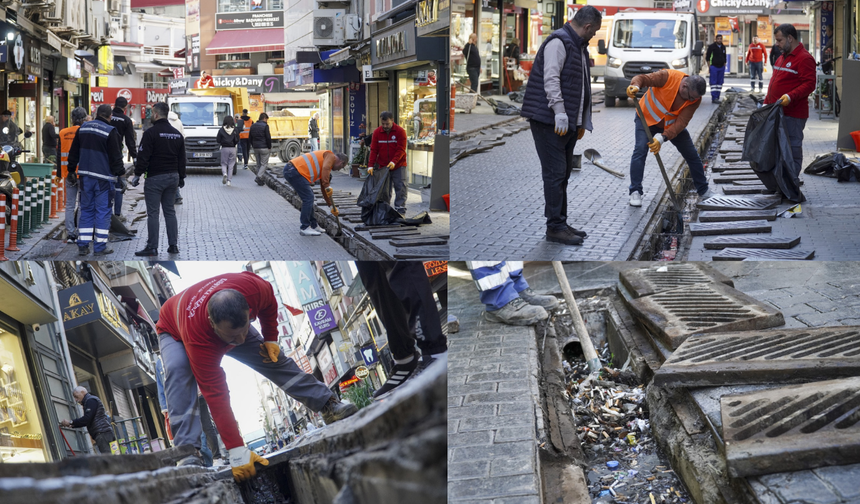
(389,148)
(792,82)
(756,54)
(200,325)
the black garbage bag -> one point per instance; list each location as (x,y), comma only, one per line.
(374,197)
(767,148)
(835,165)
(502,108)
(119,231)
(516,96)
(422,218)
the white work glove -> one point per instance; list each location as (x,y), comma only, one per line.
(242,462)
(561,124)
(632,90)
(656,143)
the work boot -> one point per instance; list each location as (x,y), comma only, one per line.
(398,374)
(636,199)
(335,410)
(708,194)
(309,232)
(577,232)
(259,181)
(191,460)
(173,249)
(427,360)
(146,252)
(177,201)
(72,239)
(564,235)
(103,252)
(82,251)
(533,298)
(518,313)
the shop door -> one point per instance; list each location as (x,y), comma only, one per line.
(338,124)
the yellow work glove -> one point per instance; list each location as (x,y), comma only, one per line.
(391,165)
(242,461)
(784,100)
(328,191)
(632,90)
(334,211)
(269,351)
(656,143)
(370,171)
(580,133)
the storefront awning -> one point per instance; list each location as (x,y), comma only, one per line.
(22,305)
(297,99)
(526,4)
(239,41)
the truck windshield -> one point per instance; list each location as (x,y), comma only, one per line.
(201,113)
(650,34)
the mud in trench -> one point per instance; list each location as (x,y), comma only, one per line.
(622,460)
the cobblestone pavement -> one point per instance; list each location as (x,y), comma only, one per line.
(498,203)
(216,222)
(480,117)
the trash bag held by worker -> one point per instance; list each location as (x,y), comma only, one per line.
(374,197)
(768,150)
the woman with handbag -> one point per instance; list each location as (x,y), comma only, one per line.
(473,62)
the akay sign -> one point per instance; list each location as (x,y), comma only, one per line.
(79,304)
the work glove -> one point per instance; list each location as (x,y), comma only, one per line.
(181,183)
(269,351)
(561,124)
(370,171)
(391,165)
(632,90)
(656,143)
(72,179)
(135,181)
(242,462)
(334,211)
(784,100)
(580,133)
(123,184)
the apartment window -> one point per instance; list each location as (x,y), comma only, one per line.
(276,4)
(239,60)
(233,5)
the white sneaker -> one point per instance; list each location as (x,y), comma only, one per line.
(224,179)
(636,199)
(708,194)
(309,232)
(228,183)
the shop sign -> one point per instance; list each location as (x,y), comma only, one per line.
(109,312)
(4,53)
(432,16)
(369,355)
(55,41)
(433,268)
(327,366)
(346,383)
(368,75)
(393,45)
(178,86)
(69,86)
(79,305)
(255,83)
(35,55)
(682,4)
(322,319)
(362,372)
(305,283)
(133,95)
(18,52)
(333,275)
(357,110)
(725,7)
(298,74)
(301,360)
(249,20)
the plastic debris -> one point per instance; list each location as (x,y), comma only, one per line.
(612,464)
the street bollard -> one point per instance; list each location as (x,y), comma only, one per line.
(3,227)
(36,202)
(54,184)
(13,232)
(46,199)
(25,212)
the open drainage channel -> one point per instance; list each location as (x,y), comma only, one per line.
(602,425)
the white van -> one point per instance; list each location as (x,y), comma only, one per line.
(201,117)
(644,42)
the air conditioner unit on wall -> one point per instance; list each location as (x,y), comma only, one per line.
(329,27)
(352,28)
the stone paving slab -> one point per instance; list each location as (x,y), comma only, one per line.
(724,216)
(769,242)
(646,281)
(744,254)
(729,227)
(737,203)
(794,427)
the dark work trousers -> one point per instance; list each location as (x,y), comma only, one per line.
(208,425)
(116,197)
(683,142)
(94,223)
(160,191)
(716,77)
(401,191)
(556,159)
(474,78)
(306,193)
(180,386)
(103,440)
(246,149)
(794,129)
(400,292)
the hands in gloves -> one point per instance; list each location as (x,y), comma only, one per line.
(561,124)
(72,179)
(656,143)
(580,133)
(135,181)
(784,100)
(370,170)
(632,90)
(391,165)
(242,462)
(181,183)
(335,211)
(269,351)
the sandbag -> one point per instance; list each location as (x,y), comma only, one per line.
(768,150)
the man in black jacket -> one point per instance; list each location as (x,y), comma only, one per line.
(162,159)
(49,139)
(261,141)
(125,126)
(95,419)
(716,58)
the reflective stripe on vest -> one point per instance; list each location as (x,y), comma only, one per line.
(310,165)
(67,136)
(658,101)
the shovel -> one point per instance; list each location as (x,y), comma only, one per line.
(594,156)
(329,193)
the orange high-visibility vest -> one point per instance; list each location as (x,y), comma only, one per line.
(658,101)
(310,165)
(247,131)
(67,135)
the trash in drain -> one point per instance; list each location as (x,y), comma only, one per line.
(612,421)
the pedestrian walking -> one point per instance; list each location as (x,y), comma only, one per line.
(228,138)
(9,131)
(668,106)
(756,54)
(240,128)
(162,160)
(244,136)
(512,65)
(67,136)
(125,126)
(793,81)
(400,291)
(94,419)
(506,294)
(314,131)
(196,329)
(388,148)
(261,140)
(97,148)
(560,115)
(473,62)
(175,121)
(716,58)
(49,140)
(306,170)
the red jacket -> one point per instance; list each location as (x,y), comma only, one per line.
(388,147)
(794,75)
(756,53)
(205,350)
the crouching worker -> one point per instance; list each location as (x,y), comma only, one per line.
(200,325)
(304,171)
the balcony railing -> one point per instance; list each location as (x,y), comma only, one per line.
(157,51)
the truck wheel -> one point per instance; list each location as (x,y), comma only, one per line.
(609,101)
(292,150)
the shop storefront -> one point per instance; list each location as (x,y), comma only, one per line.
(140,100)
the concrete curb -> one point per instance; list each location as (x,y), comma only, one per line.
(464,134)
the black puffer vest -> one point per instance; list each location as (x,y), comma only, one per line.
(100,423)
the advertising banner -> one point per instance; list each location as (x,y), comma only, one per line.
(249,20)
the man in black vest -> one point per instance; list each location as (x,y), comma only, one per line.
(125,126)
(95,419)
(560,115)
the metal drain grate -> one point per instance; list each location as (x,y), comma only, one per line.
(736,203)
(647,281)
(753,189)
(675,315)
(773,356)
(772,242)
(733,227)
(739,254)
(792,428)
(736,215)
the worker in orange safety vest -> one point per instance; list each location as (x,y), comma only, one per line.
(67,136)
(304,171)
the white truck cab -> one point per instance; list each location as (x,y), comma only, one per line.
(645,42)
(201,117)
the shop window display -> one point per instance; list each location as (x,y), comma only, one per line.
(21,435)
(417,115)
